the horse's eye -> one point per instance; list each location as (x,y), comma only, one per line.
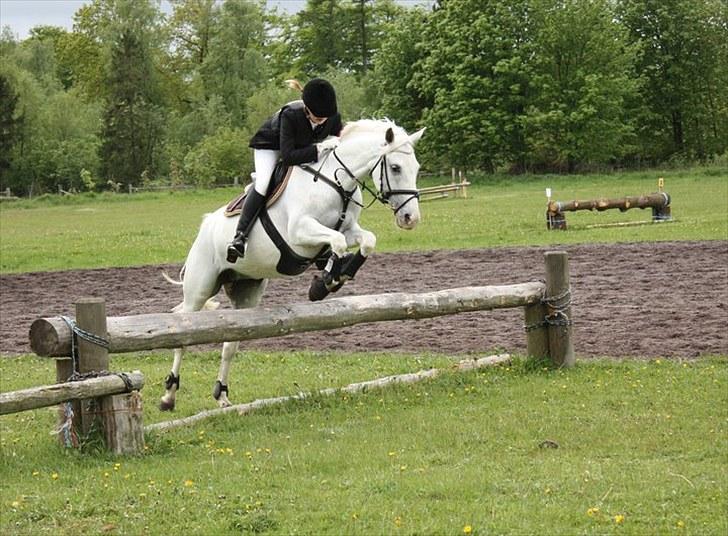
(395,168)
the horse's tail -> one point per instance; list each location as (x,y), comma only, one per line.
(174,281)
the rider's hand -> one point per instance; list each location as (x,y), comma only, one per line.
(329,144)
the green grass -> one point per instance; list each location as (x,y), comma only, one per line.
(120,230)
(642,445)
(642,449)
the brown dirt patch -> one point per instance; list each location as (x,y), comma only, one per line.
(665,299)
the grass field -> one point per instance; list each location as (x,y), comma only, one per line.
(121,230)
(642,445)
(641,450)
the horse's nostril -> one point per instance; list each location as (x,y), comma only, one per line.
(407,218)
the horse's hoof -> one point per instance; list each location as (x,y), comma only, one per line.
(223,402)
(317,291)
(165,405)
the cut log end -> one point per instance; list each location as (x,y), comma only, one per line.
(46,337)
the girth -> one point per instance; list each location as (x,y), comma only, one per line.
(291,263)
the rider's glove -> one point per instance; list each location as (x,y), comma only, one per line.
(329,144)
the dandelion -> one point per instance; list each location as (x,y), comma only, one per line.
(467,529)
(54,476)
(189,483)
(354,516)
(36,473)
(680,524)
(392,453)
(398,521)
(117,466)
(592,511)
(15,504)
(619,519)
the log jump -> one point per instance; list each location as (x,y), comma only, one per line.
(547,316)
(659,202)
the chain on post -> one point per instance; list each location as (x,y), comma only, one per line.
(556,312)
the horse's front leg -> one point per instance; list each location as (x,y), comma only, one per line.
(308,232)
(339,270)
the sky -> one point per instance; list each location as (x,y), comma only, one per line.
(22,15)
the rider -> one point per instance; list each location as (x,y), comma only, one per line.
(296,134)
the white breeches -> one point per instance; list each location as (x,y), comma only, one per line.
(265,163)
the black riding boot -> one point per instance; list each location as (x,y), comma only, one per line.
(251,207)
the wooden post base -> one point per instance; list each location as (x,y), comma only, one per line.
(123,423)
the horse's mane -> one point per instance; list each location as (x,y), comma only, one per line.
(371,126)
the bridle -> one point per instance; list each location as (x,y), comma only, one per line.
(382,195)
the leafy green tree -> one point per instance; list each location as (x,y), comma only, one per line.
(477,75)
(583,85)
(219,158)
(10,123)
(684,60)
(134,111)
(395,65)
(234,65)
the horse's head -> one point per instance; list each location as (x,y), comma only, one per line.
(393,166)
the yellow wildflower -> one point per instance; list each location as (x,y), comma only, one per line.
(619,519)
(189,483)
(54,476)
(467,529)
(592,511)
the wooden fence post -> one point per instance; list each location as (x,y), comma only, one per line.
(91,317)
(118,417)
(558,309)
(537,335)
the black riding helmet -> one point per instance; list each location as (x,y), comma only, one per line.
(319,97)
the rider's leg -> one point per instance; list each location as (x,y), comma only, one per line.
(265,163)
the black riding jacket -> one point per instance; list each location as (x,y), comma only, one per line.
(289,131)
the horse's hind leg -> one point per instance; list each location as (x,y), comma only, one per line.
(243,293)
(197,291)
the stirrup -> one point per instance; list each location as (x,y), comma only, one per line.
(233,253)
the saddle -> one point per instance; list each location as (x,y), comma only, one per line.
(290,263)
(278,183)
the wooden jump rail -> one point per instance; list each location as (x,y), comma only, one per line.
(459,187)
(546,306)
(659,202)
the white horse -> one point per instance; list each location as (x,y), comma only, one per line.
(317,214)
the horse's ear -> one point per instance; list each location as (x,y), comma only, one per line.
(414,138)
(389,136)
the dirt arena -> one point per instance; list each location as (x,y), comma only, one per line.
(666,299)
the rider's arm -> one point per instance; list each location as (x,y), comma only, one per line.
(290,155)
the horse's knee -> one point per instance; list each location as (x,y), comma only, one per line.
(338,245)
(368,243)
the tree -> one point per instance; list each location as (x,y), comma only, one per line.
(134,114)
(10,124)
(395,65)
(580,108)
(684,60)
(235,66)
(477,76)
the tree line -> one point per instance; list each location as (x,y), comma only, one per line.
(133,96)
